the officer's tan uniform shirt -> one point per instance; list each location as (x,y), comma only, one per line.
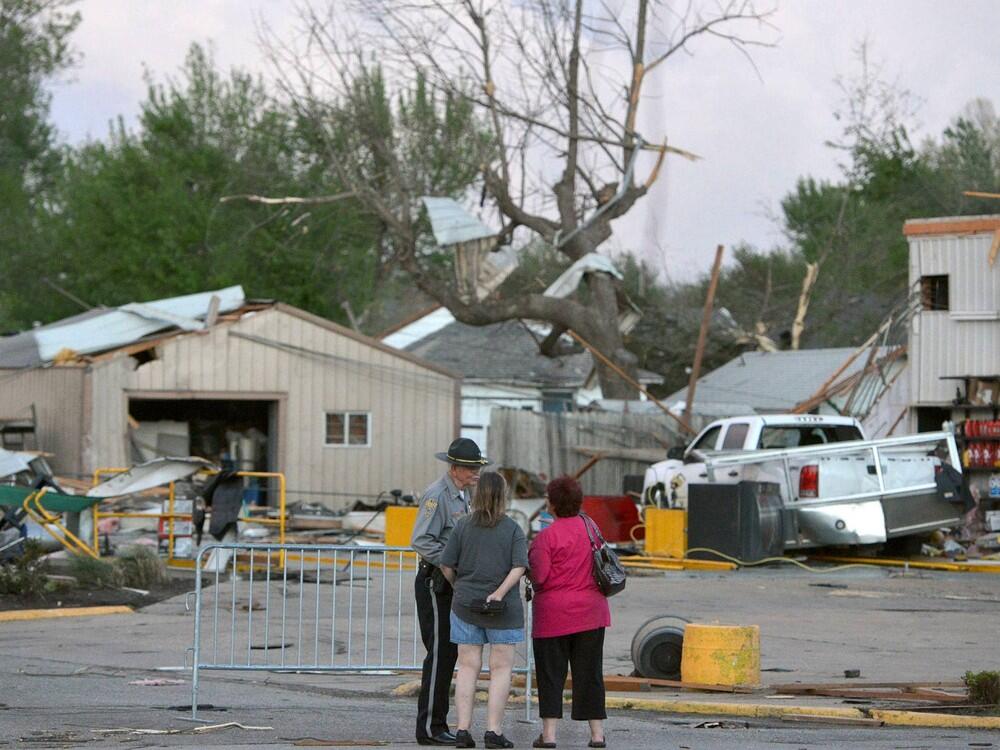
(440,508)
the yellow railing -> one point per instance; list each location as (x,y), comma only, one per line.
(170,516)
(52,524)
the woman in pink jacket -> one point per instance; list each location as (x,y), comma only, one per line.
(570,615)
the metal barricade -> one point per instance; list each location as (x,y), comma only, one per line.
(312,608)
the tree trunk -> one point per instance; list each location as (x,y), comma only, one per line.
(604,334)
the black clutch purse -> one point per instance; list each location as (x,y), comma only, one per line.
(483,607)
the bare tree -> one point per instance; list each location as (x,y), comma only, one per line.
(558,87)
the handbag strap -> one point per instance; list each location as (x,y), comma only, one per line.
(587,521)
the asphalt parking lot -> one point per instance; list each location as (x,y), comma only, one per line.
(66,681)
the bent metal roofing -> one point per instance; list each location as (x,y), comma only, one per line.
(770,381)
(109,328)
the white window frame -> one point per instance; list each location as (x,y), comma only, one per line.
(347,429)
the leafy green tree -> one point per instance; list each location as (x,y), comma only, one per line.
(34,48)
(163,210)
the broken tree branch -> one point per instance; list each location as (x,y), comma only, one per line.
(812,271)
(634,383)
(289,199)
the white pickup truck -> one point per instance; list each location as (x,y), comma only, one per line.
(665,483)
(836,488)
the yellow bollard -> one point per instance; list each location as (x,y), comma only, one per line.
(399,522)
(721,654)
(666,532)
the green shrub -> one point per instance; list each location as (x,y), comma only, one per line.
(96,574)
(141,567)
(984,687)
(26,575)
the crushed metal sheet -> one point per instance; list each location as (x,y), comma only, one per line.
(722,725)
(150,474)
(109,328)
(452,224)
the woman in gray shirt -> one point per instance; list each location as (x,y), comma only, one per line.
(484,559)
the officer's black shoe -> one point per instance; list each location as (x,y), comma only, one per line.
(464,739)
(492,739)
(444,738)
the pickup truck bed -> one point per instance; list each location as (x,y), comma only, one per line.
(855,492)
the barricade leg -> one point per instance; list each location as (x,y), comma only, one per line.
(527,660)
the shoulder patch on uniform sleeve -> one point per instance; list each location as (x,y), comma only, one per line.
(430,506)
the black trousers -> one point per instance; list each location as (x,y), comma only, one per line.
(434,612)
(583,653)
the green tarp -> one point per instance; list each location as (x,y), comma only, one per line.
(52,501)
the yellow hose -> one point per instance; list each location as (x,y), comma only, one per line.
(810,568)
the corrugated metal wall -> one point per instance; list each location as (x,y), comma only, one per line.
(952,342)
(545,443)
(58,395)
(311,369)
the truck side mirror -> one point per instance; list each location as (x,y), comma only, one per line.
(676,453)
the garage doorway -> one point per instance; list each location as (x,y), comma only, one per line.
(243,431)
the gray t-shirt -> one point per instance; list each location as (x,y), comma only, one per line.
(482,557)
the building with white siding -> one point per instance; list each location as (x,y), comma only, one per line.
(268,385)
(954,346)
(502,367)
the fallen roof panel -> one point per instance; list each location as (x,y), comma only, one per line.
(108,329)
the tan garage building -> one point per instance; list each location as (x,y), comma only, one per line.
(270,386)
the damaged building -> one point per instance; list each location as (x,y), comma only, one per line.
(264,384)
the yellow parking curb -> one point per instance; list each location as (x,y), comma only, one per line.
(748,710)
(17,615)
(949,721)
(759,711)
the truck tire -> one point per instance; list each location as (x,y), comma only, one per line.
(656,647)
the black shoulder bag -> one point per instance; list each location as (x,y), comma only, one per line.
(607,568)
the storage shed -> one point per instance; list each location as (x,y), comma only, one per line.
(267,385)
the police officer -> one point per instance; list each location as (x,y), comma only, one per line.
(442,505)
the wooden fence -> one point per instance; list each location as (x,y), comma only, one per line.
(554,444)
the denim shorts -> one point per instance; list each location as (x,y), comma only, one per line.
(473,635)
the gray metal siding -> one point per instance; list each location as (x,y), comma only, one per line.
(546,444)
(57,393)
(942,342)
(412,406)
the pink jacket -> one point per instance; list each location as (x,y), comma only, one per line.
(567,599)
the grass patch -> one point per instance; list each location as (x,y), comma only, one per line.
(984,687)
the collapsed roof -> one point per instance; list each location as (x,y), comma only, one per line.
(108,328)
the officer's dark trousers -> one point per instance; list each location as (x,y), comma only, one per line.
(434,611)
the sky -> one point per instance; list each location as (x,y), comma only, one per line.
(758,127)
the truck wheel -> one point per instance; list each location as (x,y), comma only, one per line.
(656,647)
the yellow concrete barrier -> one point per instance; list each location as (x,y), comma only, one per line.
(399,522)
(19,615)
(666,532)
(721,654)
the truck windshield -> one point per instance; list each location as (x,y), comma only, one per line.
(796,436)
